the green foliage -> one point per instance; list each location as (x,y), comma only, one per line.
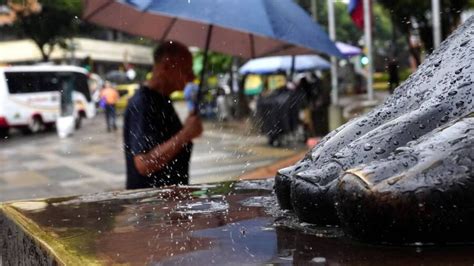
(403,11)
(216,63)
(382,77)
(57,21)
(382,23)
(346,31)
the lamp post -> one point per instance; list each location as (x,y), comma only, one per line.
(368,44)
(332,36)
(435,10)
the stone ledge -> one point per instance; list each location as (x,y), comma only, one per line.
(17,248)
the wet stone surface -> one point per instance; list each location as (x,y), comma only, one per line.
(223,224)
(371,174)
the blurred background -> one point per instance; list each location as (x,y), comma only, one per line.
(53,65)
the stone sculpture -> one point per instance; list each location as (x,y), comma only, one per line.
(345,170)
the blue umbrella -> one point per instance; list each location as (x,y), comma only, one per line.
(275,64)
(244,28)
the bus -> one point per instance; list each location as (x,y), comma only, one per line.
(30,96)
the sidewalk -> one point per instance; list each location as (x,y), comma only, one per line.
(92,160)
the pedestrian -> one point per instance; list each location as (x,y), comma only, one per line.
(109,97)
(393,76)
(157,145)
(222,106)
(320,105)
(190,95)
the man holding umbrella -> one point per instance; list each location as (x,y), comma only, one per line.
(157,146)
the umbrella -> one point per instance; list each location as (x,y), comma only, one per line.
(274,64)
(244,28)
(348,50)
(117,76)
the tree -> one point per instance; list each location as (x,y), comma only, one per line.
(57,21)
(409,16)
(217,63)
(346,31)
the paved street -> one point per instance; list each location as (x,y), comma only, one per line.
(42,165)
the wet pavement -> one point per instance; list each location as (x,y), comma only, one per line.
(222,224)
(43,165)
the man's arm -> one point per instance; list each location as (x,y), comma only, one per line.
(162,154)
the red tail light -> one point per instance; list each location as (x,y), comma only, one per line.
(3,122)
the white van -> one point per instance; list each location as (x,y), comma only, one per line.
(30,96)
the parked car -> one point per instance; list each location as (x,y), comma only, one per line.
(125,91)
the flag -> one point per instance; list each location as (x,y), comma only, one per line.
(356,10)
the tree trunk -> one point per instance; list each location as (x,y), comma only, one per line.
(44,54)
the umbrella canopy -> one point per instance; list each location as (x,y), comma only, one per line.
(244,28)
(348,50)
(117,76)
(275,64)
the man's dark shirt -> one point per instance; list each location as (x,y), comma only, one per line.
(150,120)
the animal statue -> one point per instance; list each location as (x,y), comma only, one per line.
(345,179)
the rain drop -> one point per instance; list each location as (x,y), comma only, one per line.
(464,43)
(379,151)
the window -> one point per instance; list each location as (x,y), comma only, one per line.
(30,82)
(20,82)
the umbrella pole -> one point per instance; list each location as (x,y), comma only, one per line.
(292,69)
(203,70)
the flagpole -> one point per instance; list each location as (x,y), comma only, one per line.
(436,23)
(368,44)
(332,36)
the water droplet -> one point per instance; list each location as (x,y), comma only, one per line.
(444,119)
(379,151)
(319,260)
(367,147)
